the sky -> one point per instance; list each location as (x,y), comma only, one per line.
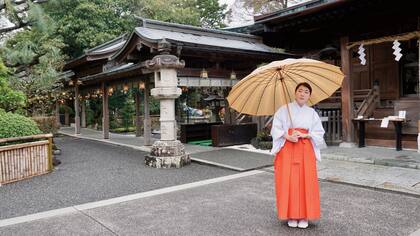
(240,17)
(228,2)
(237,18)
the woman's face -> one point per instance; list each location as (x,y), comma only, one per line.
(302,95)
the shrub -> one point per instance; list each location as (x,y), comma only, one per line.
(123,130)
(14,125)
(264,135)
(10,100)
(47,124)
(265,145)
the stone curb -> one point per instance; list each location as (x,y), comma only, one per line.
(367,161)
(140,148)
(147,149)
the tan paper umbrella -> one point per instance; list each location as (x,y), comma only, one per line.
(268,87)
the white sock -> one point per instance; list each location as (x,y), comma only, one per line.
(303,224)
(292,223)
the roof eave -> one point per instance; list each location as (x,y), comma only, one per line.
(274,16)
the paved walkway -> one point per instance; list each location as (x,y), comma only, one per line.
(404,180)
(379,168)
(92,171)
(371,167)
(369,155)
(375,155)
(230,203)
(239,160)
(239,204)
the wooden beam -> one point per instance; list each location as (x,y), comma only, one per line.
(105,111)
(346,92)
(76,109)
(147,120)
(213,72)
(24,138)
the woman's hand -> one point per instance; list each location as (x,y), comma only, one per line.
(301,135)
(292,138)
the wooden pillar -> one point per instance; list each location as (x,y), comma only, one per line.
(138,120)
(105,111)
(76,109)
(147,122)
(66,116)
(57,113)
(346,92)
(228,114)
(83,115)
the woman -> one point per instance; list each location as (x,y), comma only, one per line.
(297,144)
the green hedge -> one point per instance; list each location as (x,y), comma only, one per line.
(14,125)
(123,130)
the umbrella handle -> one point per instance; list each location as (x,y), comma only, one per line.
(290,117)
(287,104)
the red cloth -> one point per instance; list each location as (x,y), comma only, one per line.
(296,180)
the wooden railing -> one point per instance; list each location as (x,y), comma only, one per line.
(25,160)
(331,121)
(369,104)
(365,101)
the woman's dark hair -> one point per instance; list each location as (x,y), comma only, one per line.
(304,84)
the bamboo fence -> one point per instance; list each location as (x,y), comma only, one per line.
(25,160)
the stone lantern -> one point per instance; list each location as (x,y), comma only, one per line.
(168,151)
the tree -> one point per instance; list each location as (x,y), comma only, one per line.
(10,100)
(212,13)
(127,111)
(84,24)
(205,13)
(35,57)
(61,29)
(87,23)
(245,10)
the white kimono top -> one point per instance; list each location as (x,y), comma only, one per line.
(303,117)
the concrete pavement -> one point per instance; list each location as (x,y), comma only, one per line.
(94,179)
(240,204)
(381,168)
(92,171)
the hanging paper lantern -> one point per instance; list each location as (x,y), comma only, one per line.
(397,50)
(362,55)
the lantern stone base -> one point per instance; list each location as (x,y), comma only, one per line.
(167,154)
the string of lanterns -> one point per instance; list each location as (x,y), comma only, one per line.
(205,74)
(94,93)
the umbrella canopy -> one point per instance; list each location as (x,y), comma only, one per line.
(268,87)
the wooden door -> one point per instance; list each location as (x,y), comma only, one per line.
(384,69)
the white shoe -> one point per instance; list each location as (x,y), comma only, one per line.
(303,224)
(292,223)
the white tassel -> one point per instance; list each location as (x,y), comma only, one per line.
(397,50)
(362,55)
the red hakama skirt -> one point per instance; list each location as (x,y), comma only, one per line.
(296,180)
